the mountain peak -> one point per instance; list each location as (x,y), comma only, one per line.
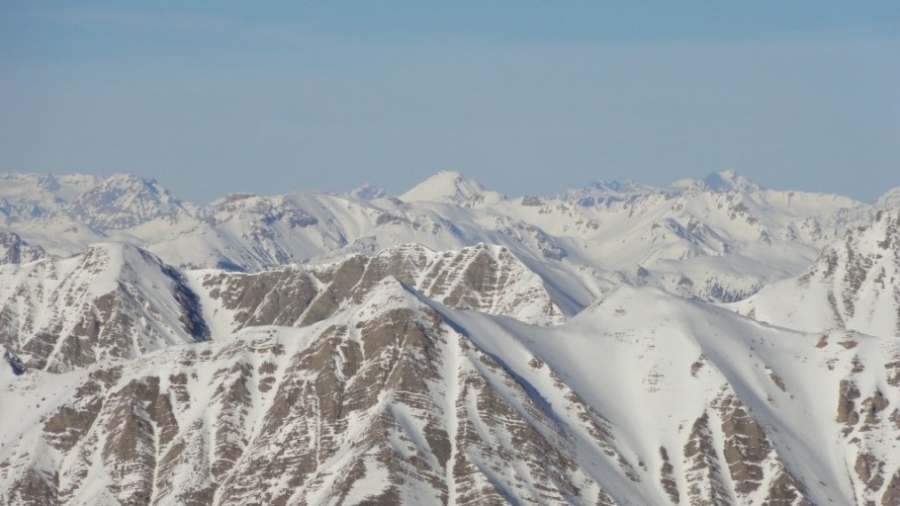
(849,286)
(450,187)
(603,191)
(109,260)
(614,186)
(387,294)
(889,200)
(124,201)
(367,191)
(721,182)
(14,250)
(26,196)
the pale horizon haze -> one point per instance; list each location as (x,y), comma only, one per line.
(524,97)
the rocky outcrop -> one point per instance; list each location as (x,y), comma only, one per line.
(398,400)
(852,285)
(113,301)
(484,278)
(125,201)
(385,405)
(13,250)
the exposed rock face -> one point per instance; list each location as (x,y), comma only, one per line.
(125,201)
(706,485)
(483,278)
(118,301)
(407,375)
(267,211)
(398,400)
(854,284)
(113,301)
(719,239)
(13,250)
(386,403)
(746,446)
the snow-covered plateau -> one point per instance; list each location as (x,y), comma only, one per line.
(708,343)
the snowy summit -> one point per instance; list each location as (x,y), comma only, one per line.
(708,343)
(451,188)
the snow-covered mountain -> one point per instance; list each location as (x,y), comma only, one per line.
(889,199)
(452,188)
(367,191)
(717,239)
(448,346)
(125,201)
(25,197)
(482,278)
(112,301)
(643,398)
(118,301)
(14,250)
(854,284)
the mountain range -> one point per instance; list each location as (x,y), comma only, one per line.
(711,342)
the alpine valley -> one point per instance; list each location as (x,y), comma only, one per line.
(708,343)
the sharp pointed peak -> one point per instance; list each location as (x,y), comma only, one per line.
(449,187)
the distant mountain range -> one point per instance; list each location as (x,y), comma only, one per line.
(709,343)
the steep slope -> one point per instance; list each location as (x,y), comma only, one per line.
(383,403)
(484,278)
(25,197)
(712,409)
(642,399)
(254,233)
(889,200)
(112,301)
(426,349)
(115,300)
(250,232)
(854,284)
(125,201)
(367,191)
(33,206)
(452,188)
(717,239)
(13,250)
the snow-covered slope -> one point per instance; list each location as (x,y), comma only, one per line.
(717,239)
(642,399)
(452,188)
(704,239)
(889,200)
(854,284)
(112,301)
(449,346)
(26,197)
(125,201)
(14,250)
(367,191)
(484,278)
(116,300)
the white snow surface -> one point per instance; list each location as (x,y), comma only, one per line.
(453,188)
(854,284)
(632,358)
(714,342)
(717,239)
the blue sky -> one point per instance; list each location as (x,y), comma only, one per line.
(526,97)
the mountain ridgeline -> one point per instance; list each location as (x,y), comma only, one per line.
(709,343)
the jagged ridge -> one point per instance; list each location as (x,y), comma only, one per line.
(854,284)
(402,400)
